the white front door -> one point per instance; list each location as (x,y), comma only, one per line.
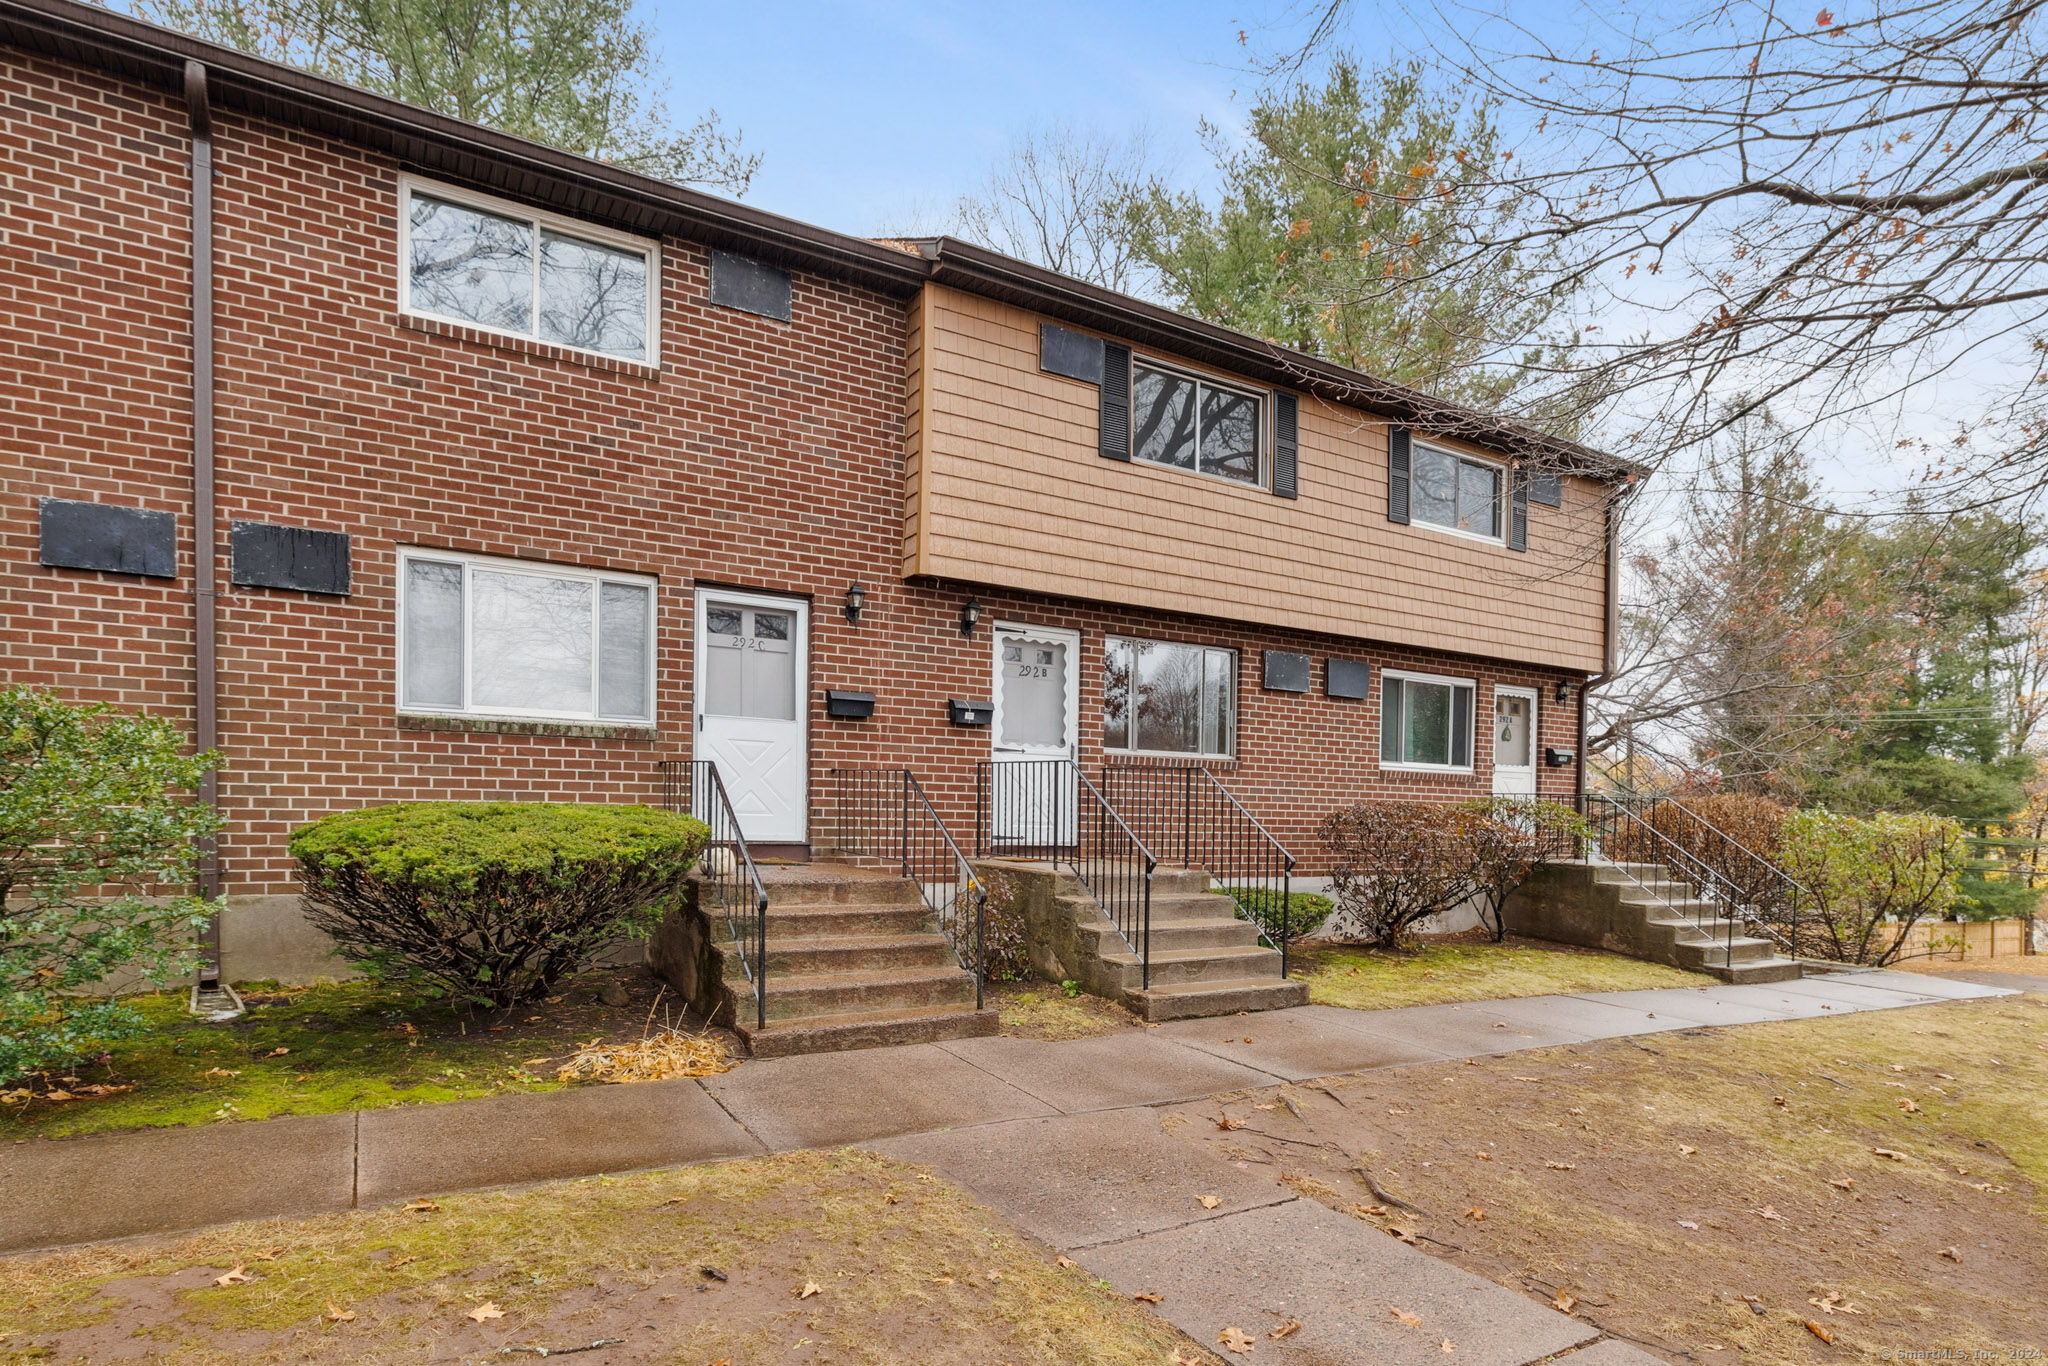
(752,684)
(1514,742)
(1037,691)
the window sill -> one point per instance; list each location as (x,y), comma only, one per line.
(1146,758)
(1448,770)
(483,336)
(1463,535)
(493,725)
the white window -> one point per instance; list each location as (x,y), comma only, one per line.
(1162,698)
(497,266)
(1425,721)
(1455,491)
(484,637)
(1196,424)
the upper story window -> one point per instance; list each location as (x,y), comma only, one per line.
(1164,698)
(1196,424)
(487,637)
(496,266)
(1456,492)
(1425,721)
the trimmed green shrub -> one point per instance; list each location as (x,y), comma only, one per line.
(96,824)
(1873,878)
(1306,911)
(491,902)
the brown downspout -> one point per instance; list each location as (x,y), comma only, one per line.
(206,664)
(1609,534)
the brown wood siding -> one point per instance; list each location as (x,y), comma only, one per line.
(1004,487)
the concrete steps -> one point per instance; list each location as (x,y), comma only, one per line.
(1643,910)
(1205,960)
(853,961)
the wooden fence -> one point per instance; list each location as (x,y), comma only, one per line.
(1949,940)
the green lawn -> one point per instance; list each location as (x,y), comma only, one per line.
(1466,970)
(335,1046)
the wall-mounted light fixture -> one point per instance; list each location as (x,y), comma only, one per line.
(970,616)
(1564,690)
(856,599)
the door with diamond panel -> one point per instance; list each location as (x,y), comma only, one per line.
(752,682)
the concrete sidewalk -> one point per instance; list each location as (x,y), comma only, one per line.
(984,1090)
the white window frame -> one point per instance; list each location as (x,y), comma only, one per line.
(1236,665)
(542,221)
(1501,499)
(1263,397)
(496,564)
(1471,687)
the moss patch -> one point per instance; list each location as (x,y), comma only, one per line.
(906,1268)
(1470,968)
(332,1047)
(1709,1191)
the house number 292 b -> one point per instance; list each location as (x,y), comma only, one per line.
(1033,671)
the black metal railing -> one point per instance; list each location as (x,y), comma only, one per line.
(1186,814)
(1048,810)
(1768,899)
(1619,837)
(881,818)
(727,874)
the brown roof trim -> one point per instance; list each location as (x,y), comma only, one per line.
(978,270)
(89,35)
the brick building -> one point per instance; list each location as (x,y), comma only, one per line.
(434,463)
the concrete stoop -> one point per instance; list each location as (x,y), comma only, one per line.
(1642,910)
(1205,961)
(854,961)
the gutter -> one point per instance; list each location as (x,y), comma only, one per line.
(205,602)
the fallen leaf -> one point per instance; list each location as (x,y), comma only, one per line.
(1820,1330)
(992,1276)
(712,1273)
(336,1314)
(1406,1235)
(268,1254)
(484,1312)
(1842,1182)
(1484,1157)
(1235,1340)
(1065,1261)
(1149,1297)
(1768,1212)
(1687,1149)
(1447,1347)
(1207,1201)
(239,1276)
(1405,1319)
(1892,1153)
(219,1072)
(1286,1330)
(1562,1166)
(1476,1215)
(1528,1079)
(1910,1106)
(397,1262)
(1950,1253)
(1687,1223)
(1834,1303)
(1564,1302)
(421,1207)
(810,1288)
(277,1052)
(1225,1122)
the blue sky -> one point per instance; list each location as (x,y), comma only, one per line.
(866,111)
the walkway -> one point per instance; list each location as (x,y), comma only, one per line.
(1058,1137)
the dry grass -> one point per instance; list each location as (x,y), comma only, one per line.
(666,1055)
(907,1268)
(1706,1192)
(1044,1010)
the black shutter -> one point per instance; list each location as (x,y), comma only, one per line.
(1116,402)
(1397,475)
(1286,444)
(1518,510)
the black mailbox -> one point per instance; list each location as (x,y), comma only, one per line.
(1559,758)
(850,706)
(970,713)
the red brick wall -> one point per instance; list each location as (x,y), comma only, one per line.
(763,455)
